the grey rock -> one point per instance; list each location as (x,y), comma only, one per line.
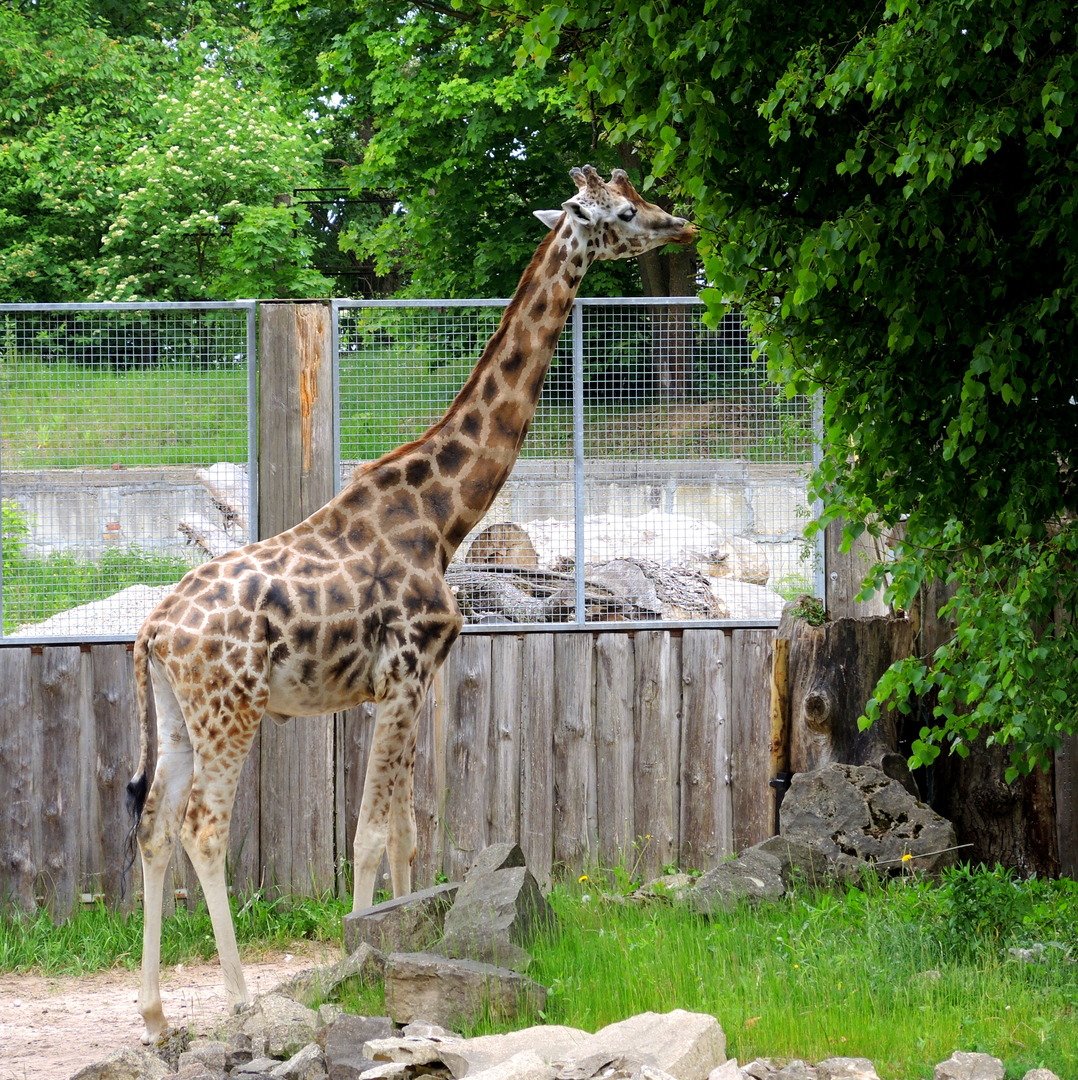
(495,857)
(210,1054)
(422,1029)
(797,1070)
(448,991)
(409,923)
(753,876)
(1040,1074)
(666,887)
(308,1064)
(259,1066)
(552,1042)
(126,1064)
(525,1065)
(240,1048)
(343,1043)
(798,861)
(846,1068)
(365,964)
(497,911)
(684,1044)
(407,1049)
(768,1069)
(969,1066)
(728,1070)
(855,814)
(195,1071)
(282,1025)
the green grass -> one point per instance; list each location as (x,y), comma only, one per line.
(34,589)
(883,973)
(901,973)
(95,938)
(60,415)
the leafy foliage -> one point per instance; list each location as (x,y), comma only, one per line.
(128,157)
(446,145)
(889,190)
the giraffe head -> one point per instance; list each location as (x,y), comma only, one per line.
(612,220)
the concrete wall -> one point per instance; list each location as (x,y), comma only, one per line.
(85,511)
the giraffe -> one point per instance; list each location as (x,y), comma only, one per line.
(351,604)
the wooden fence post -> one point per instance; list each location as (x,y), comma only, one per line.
(844,571)
(293,798)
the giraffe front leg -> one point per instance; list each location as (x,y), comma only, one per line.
(386,814)
(400,843)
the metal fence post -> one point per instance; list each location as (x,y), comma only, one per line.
(578,458)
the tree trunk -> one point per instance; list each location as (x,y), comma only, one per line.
(1011,824)
(669,274)
(833,670)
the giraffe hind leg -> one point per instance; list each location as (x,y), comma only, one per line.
(156,834)
(204,836)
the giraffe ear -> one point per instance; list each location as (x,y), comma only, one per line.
(549,218)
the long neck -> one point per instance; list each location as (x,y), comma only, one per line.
(476,443)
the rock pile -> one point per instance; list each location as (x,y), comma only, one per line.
(482,929)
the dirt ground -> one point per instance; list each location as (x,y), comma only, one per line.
(50,1027)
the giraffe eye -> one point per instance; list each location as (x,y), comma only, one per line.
(629,214)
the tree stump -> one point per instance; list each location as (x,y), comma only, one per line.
(832,670)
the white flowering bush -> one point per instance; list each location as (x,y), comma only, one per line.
(195,193)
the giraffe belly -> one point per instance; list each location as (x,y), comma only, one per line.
(296,689)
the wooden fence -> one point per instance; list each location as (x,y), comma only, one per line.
(648,747)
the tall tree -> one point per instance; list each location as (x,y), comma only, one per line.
(444,143)
(890,191)
(141,154)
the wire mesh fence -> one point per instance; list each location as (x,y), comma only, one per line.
(124,447)
(662,479)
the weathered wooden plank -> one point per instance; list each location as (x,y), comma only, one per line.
(751,730)
(430,785)
(296,820)
(658,742)
(503,807)
(57,697)
(18,805)
(115,758)
(576,833)
(706,808)
(537,755)
(88,823)
(468,693)
(846,572)
(615,740)
(295,415)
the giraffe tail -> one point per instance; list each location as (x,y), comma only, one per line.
(138,786)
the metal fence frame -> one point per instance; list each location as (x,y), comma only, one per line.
(337,306)
(575,326)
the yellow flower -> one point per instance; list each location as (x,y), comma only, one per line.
(583,878)
(907,857)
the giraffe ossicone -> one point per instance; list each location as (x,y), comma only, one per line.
(351,604)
